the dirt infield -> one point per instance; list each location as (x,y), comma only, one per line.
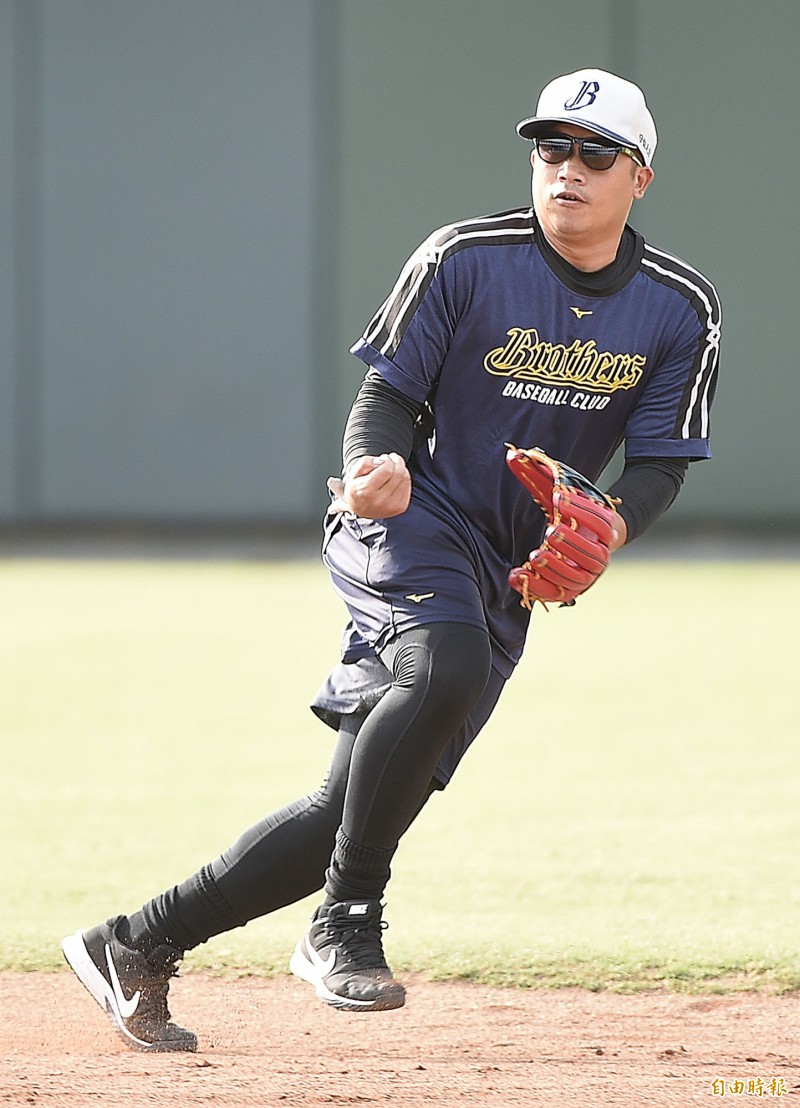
(270,1043)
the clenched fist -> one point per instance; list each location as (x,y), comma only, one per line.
(375,487)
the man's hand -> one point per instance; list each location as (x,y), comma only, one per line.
(375,487)
(620,536)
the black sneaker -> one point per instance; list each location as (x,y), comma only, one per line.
(341,955)
(131,988)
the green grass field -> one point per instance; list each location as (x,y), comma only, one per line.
(628,819)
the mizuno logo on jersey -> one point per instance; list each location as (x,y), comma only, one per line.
(418,597)
(580,312)
(528,357)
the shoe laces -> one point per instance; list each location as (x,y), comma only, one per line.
(163,963)
(361,939)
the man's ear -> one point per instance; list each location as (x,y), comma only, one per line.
(642,181)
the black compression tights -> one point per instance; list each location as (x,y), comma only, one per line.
(344,834)
(440,671)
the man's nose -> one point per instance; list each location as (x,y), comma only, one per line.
(572,167)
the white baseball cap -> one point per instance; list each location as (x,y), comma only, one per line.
(600,101)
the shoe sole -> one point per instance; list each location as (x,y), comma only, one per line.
(80,962)
(302,968)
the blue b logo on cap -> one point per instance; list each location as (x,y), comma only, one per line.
(586,96)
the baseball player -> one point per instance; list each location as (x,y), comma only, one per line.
(556,326)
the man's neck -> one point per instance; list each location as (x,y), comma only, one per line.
(597,282)
(589,257)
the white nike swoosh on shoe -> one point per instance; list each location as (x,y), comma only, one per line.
(324,965)
(125,1006)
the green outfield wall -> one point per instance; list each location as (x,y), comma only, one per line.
(203,201)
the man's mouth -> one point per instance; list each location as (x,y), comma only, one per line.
(569,196)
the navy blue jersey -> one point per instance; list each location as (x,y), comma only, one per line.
(506,343)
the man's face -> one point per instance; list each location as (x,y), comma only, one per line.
(578,205)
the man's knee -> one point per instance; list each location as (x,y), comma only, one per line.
(448,662)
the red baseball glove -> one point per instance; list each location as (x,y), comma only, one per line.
(575,549)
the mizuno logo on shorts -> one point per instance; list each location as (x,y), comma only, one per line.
(418,597)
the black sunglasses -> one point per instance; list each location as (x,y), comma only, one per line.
(595,153)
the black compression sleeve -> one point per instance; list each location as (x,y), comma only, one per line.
(647,487)
(381,421)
